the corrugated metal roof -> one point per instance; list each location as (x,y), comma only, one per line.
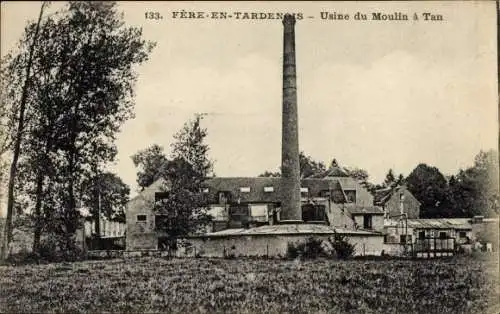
(288,229)
(440,223)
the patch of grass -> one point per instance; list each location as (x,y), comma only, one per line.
(252,286)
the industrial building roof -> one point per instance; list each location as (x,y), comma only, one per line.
(289,229)
(440,223)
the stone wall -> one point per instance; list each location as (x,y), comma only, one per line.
(411,206)
(268,245)
(141,235)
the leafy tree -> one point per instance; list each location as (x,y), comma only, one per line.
(190,146)
(359,174)
(310,167)
(400,180)
(390,179)
(183,210)
(80,94)
(12,75)
(107,195)
(152,163)
(475,190)
(430,187)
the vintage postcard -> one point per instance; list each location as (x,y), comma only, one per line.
(249,157)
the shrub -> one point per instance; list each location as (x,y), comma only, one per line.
(341,246)
(50,251)
(311,248)
(21,258)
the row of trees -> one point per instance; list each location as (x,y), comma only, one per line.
(66,90)
(472,191)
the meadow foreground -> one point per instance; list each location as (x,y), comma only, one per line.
(252,286)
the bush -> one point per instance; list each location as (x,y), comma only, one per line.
(312,248)
(51,251)
(341,246)
(337,246)
(21,258)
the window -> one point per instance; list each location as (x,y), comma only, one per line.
(223,197)
(462,234)
(245,189)
(141,218)
(325,193)
(402,238)
(443,235)
(421,235)
(268,189)
(259,212)
(350,195)
(160,196)
(367,221)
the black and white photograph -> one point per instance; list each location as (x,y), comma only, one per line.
(249,157)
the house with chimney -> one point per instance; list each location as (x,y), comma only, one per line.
(249,202)
(397,200)
(261,216)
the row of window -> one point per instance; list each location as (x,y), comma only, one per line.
(268,189)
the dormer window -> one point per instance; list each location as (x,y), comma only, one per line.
(268,189)
(245,189)
(223,197)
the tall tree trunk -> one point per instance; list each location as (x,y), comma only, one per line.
(38,205)
(17,146)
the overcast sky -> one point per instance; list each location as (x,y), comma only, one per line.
(373,94)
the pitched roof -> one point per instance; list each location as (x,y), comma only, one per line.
(256,185)
(295,229)
(381,196)
(332,172)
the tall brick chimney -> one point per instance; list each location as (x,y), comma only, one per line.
(291,211)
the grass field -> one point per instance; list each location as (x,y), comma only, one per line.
(251,286)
